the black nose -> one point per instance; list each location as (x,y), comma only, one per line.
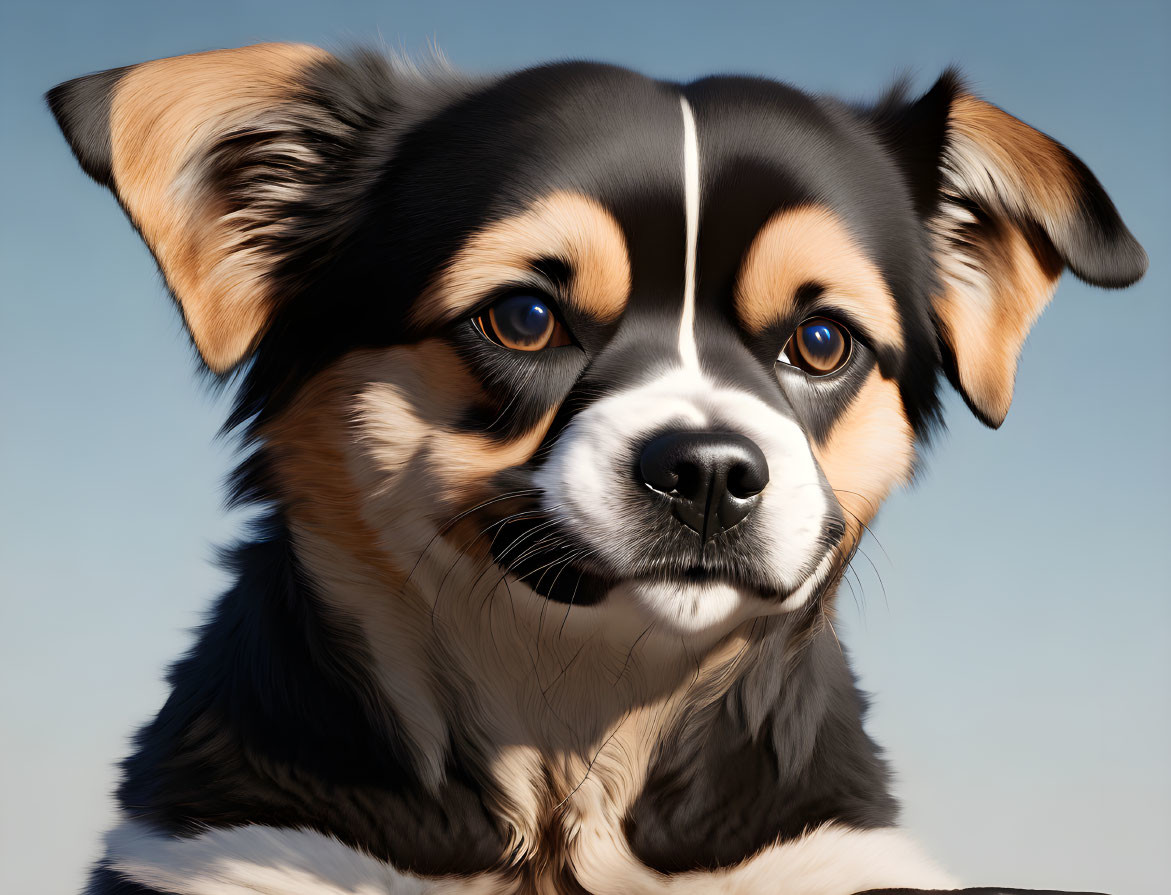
(714,479)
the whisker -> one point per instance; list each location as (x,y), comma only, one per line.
(630,652)
(460,554)
(564,668)
(510,495)
(861,522)
(573,555)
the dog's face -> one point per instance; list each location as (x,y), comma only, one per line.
(652,330)
(657,352)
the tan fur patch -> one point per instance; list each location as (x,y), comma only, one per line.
(568,226)
(310,444)
(162,114)
(395,410)
(998,272)
(380,422)
(993,294)
(811,245)
(421,390)
(1031,172)
(869,451)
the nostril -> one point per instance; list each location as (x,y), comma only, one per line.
(747,478)
(691,481)
(658,471)
(669,464)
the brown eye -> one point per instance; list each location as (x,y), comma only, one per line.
(523,323)
(819,346)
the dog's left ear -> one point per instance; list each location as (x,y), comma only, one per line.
(1008,208)
(232,162)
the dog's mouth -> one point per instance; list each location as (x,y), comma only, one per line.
(536,550)
(533,549)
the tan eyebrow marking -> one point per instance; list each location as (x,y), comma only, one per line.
(811,245)
(568,226)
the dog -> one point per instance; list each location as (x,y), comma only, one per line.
(564,398)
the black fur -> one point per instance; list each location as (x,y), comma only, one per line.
(714,798)
(82,109)
(270,721)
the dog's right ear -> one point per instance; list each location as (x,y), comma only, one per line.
(223,160)
(1008,208)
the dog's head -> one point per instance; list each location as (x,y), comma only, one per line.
(658,350)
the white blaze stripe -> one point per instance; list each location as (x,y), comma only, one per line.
(688,352)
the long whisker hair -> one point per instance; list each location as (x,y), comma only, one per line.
(455,520)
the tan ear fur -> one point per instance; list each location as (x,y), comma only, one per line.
(163,117)
(994,289)
(163,114)
(1008,193)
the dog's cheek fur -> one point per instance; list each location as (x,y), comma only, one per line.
(372,469)
(869,451)
(372,460)
(371,455)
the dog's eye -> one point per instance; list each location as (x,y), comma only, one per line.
(819,346)
(523,322)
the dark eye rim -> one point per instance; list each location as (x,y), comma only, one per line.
(847,357)
(478,316)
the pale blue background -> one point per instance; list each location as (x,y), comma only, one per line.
(1021,653)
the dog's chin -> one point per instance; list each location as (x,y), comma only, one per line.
(692,607)
(698,604)
(691,603)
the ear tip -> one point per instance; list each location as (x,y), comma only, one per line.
(992,423)
(989,403)
(1133,262)
(1120,262)
(81,108)
(992,416)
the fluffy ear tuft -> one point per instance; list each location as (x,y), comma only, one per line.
(213,156)
(1008,208)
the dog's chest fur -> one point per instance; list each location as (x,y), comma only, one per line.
(517,798)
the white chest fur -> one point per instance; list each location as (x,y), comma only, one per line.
(254,859)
